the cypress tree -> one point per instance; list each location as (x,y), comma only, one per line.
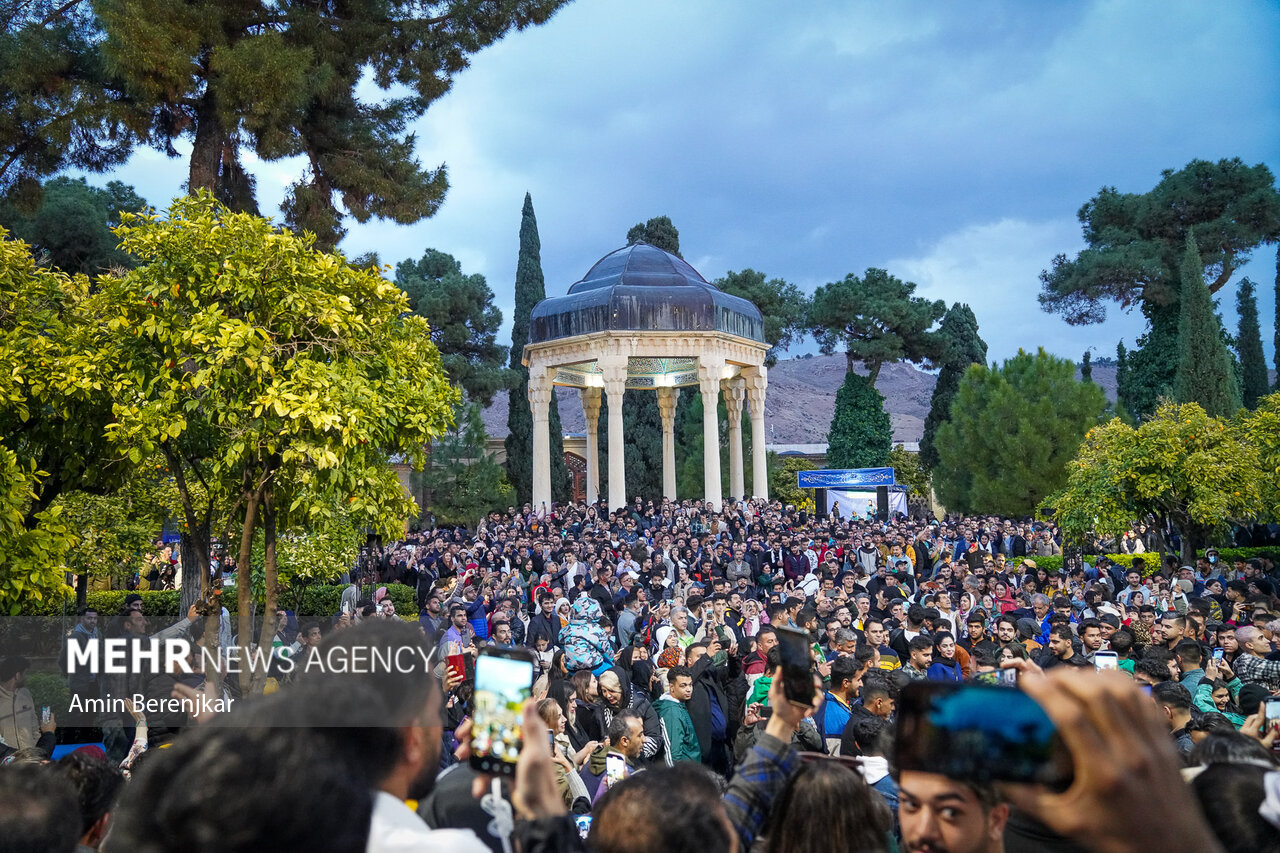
(530,290)
(1086,367)
(1276,341)
(1253,363)
(1122,372)
(1204,374)
(641,417)
(860,433)
(961,347)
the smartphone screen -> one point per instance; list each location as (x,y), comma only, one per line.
(1218,654)
(1106,660)
(615,769)
(977,732)
(797,672)
(1273,712)
(504,681)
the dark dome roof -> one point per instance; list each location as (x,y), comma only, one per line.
(642,288)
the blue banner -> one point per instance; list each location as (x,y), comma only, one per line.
(843,479)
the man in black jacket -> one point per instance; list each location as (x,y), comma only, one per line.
(713,719)
(545,623)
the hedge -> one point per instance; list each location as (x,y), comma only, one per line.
(1225,555)
(161,606)
(39,631)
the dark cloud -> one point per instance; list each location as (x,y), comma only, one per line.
(950,142)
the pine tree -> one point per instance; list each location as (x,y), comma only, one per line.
(1012,433)
(961,347)
(1204,372)
(861,432)
(530,290)
(1253,363)
(1086,367)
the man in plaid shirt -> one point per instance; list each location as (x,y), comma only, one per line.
(1251,667)
(763,772)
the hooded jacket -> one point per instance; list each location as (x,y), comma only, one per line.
(586,644)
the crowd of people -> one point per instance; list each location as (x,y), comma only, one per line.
(654,630)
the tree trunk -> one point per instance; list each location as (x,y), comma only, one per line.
(82,590)
(244,590)
(206,150)
(271,596)
(193,546)
(848,361)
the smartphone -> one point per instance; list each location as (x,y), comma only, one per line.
(1218,654)
(46,714)
(504,682)
(583,822)
(615,769)
(456,661)
(1106,660)
(797,665)
(1008,676)
(981,733)
(1273,711)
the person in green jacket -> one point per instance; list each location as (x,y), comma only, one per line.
(677,725)
(1216,696)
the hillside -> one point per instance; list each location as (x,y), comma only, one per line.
(802,399)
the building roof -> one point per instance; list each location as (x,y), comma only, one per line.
(643,288)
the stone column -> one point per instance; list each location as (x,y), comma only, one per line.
(667,408)
(757,379)
(540,389)
(734,390)
(615,384)
(710,371)
(591,411)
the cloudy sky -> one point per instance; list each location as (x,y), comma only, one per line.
(950,143)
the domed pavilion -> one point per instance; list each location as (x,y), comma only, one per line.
(644,319)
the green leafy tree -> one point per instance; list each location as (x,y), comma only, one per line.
(861,432)
(961,347)
(464,321)
(292,79)
(301,373)
(1134,250)
(1254,381)
(658,231)
(1262,427)
(782,304)
(783,483)
(464,482)
(72,224)
(60,106)
(531,289)
(1204,373)
(1013,429)
(878,320)
(909,471)
(117,527)
(1086,367)
(54,411)
(1181,466)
